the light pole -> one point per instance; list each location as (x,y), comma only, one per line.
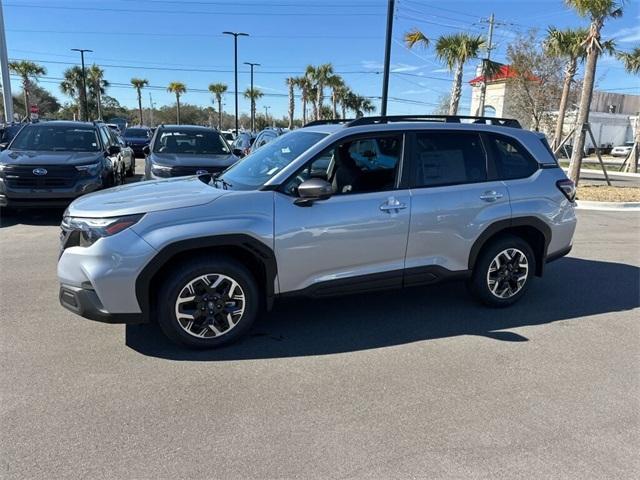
(387,58)
(235,56)
(6,79)
(253,113)
(84,81)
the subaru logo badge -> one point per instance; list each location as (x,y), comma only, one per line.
(40,171)
(201,172)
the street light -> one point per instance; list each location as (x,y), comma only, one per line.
(235,55)
(253,117)
(84,81)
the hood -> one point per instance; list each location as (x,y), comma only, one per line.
(144,197)
(192,160)
(33,157)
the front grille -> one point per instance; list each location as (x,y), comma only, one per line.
(57,176)
(182,171)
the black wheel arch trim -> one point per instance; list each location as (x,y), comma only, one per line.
(506,224)
(259,250)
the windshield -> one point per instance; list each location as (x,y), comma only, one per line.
(257,168)
(136,133)
(57,138)
(198,142)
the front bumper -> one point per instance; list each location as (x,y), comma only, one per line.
(108,270)
(46,197)
(85,302)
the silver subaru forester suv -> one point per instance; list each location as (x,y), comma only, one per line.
(332,208)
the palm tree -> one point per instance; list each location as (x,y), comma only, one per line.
(291,83)
(253,94)
(217,89)
(337,85)
(97,84)
(567,44)
(597,11)
(320,76)
(72,86)
(631,61)
(139,84)
(344,95)
(310,75)
(27,71)
(455,50)
(359,104)
(304,85)
(178,88)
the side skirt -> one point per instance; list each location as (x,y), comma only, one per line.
(380,281)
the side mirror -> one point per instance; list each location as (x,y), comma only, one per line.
(4,145)
(313,190)
(146,150)
(238,152)
(114,149)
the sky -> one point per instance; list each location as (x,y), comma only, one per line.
(181,40)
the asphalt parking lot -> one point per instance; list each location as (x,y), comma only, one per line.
(417,384)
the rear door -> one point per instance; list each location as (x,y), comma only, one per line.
(355,240)
(455,196)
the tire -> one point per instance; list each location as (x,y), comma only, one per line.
(190,280)
(503,286)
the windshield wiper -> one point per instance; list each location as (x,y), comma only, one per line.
(225,185)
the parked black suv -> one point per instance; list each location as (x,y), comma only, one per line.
(137,138)
(180,150)
(51,163)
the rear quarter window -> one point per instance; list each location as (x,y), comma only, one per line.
(511,159)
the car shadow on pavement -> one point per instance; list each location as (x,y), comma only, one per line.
(571,288)
(31,216)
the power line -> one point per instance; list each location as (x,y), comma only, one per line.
(194,12)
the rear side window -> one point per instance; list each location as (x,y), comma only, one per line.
(511,159)
(448,158)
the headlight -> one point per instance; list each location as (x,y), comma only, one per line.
(91,169)
(160,170)
(89,230)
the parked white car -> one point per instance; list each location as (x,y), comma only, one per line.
(622,150)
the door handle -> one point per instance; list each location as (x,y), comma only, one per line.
(392,204)
(491,196)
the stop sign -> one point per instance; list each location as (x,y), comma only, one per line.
(34,109)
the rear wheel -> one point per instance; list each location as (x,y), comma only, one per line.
(207,303)
(503,271)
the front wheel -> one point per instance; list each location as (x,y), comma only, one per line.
(503,271)
(206,303)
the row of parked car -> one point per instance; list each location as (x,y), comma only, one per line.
(51,163)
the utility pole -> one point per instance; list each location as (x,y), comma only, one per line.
(485,64)
(253,109)
(4,66)
(235,56)
(266,114)
(387,58)
(84,81)
(150,110)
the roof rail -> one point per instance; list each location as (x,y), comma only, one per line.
(333,121)
(505,122)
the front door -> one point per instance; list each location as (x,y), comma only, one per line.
(356,239)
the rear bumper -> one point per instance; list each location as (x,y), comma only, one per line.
(559,254)
(85,302)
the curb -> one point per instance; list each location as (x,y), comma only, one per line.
(608,206)
(611,173)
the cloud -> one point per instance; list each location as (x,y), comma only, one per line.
(627,35)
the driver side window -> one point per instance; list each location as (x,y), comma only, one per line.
(360,165)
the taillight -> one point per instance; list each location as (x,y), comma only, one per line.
(568,189)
